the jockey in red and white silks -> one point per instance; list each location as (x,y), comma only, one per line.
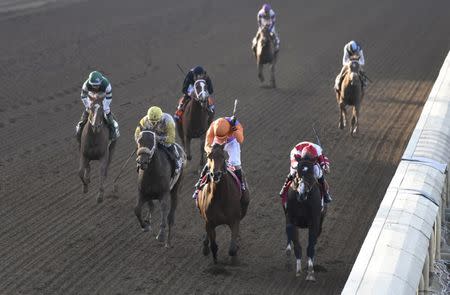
(297,151)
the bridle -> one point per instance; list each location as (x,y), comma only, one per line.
(202,94)
(216,176)
(143,164)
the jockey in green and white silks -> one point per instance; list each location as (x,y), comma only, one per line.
(98,84)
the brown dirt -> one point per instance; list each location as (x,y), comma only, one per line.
(55,240)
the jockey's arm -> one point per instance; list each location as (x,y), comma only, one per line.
(273,18)
(188,80)
(346,57)
(209,139)
(210,86)
(361,58)
(139,128)
(108,99)
(170,130)
(84,96)
(239,133)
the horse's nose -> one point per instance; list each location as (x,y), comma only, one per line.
(217,176)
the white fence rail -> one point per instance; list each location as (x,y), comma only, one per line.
(404,239)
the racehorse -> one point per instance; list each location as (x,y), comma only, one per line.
(156,182)
(221,202)
(196,119)
(95,145)
(350,94)
(304,210)
(265,54)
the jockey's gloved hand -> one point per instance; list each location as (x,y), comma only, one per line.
(233,121)
(326,168)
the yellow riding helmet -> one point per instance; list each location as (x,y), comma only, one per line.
(154,114)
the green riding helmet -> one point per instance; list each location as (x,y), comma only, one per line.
(95,79)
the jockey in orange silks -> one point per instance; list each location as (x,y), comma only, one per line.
(228,131)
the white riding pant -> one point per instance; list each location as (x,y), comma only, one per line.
(233,148)
(106,103)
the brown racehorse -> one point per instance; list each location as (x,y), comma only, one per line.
(221,202)
(265,54)
(304,211)
(350,94)
(195,120)
(95,145)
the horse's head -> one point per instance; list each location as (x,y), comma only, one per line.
(96,111)
(201,92)
(146,148)
(217,162)
(306,173)
(354,71)
(264,36)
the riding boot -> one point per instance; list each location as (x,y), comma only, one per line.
(339,78)
(80,125)
(175,158)
(326,195)
(198,186)
(287,181)
(238,173)
(113,127)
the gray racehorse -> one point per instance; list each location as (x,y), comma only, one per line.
(155,183)
(95,145)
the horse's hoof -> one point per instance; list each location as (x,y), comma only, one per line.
(146,228)
(85,189)
(232,252)
(167,246)
(288,251)
(205,251)
(189,158)
(310,277)
(341,126)
(160,237)
(298,273)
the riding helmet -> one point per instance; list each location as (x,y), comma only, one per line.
(95,78)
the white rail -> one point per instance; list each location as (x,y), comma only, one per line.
(404,239)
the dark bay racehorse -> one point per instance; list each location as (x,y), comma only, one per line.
(304,211)
(350,94)
(195,120)
(265,54)
(155,183)
(95,145)
(221,202)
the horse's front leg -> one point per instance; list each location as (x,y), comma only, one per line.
(148,217)
(312,240)
(234,238)
(342,115)
(211,232)
(138,212)
(202,154)
(103,173)
(355,117)
(187,147)
(272,74)
(164,213)
(83,171)
(260,72)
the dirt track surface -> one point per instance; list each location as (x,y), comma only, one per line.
(55,240)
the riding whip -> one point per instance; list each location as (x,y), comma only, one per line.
(123,166)
(235,105)
(182,71)
(317,136)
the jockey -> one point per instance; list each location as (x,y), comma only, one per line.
(98,84)
(193,75)
(352,50)
(314,152)
(164,127)
(266,17)
(228,131)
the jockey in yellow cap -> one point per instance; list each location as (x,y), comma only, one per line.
(163,125)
